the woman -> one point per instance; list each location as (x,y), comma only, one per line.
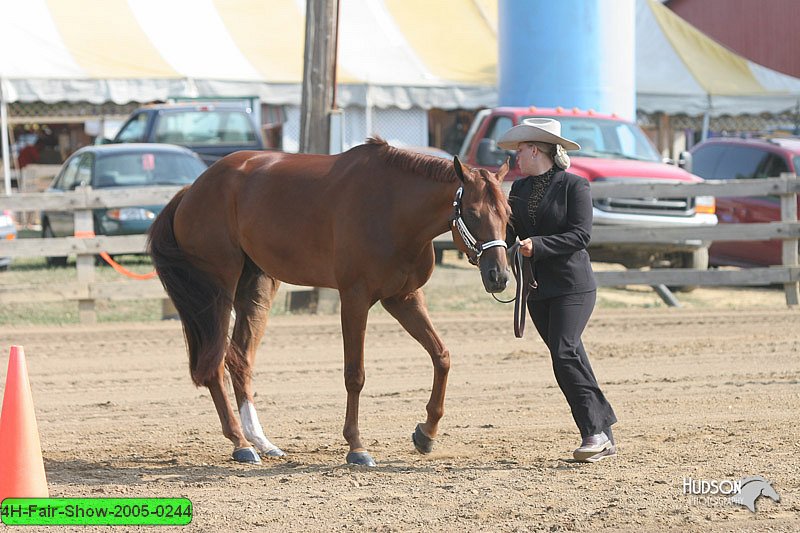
(552,217)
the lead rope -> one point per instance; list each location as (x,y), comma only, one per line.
(525,282)
(516,268)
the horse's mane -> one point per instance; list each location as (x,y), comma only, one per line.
(434,168)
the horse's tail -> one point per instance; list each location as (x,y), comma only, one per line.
(202,302)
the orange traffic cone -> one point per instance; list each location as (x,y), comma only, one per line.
(21,465)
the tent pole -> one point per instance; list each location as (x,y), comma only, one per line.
(4,139)
(368,110)
(706,121)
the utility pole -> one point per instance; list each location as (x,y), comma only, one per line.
(318,105)
(319,76)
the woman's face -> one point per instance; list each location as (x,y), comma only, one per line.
(527,155)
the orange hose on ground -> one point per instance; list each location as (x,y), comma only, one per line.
(116,266)
(124,271)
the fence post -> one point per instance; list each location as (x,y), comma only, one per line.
(84,226)
(790,250)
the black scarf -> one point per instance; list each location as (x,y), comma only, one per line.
(539,187)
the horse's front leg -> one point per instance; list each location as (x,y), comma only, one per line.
(410,311)
(354,310)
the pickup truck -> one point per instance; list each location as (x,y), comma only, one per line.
(212,130)
(612,149)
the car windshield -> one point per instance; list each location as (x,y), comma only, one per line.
(212,127)
(140,169)
(607,138)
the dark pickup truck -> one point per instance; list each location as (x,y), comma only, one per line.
(212,130)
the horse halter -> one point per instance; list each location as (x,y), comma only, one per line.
(472,244)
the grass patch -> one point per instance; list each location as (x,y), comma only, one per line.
(33,274)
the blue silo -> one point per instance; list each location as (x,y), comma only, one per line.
(569,53)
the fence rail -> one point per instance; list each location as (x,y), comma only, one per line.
(86,290)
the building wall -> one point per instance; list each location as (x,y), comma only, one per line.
(764,31)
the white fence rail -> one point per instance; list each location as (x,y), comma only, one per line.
(86,290)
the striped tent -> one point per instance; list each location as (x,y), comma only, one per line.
(400,53)
(392,53)
(681,70)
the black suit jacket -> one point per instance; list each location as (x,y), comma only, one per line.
(560,236)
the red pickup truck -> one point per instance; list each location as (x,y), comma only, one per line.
(612,149)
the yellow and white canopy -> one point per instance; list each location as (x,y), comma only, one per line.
(682,70)
(403,53)
(408,52)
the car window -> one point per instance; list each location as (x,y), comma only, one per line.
(608,138)
(67,179)
(796,164)
(205,127)
(140,169)
(586,133)
(498,128)
(84,175)
(705,160)
(740,162)
(488,153)
(773,167)
(134,130)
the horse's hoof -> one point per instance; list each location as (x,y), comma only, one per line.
(246,455)
(273,453)
(422,442)
(360,458)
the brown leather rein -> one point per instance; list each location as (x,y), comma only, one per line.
(523,276)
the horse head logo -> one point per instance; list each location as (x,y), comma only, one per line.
(752,488)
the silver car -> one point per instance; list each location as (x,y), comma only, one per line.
(8,231)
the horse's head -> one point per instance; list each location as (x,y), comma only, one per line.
(751,489)
(479,222)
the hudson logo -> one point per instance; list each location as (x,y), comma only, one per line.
(730,492)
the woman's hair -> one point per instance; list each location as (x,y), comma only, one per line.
(555,152)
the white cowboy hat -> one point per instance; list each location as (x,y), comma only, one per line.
(546,130)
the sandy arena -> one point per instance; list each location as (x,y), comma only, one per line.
(700,393)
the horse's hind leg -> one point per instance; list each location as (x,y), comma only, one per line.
(410,311)
(253,301)
(242,451)
(231,428)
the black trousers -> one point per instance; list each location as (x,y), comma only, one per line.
(560,322)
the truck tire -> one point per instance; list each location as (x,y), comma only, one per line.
(698,260)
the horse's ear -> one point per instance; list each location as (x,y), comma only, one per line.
(503,170)
(460,168)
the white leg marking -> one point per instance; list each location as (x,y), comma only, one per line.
(254,432)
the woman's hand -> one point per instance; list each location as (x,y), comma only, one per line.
(526,247)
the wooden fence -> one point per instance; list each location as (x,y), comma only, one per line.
(85,290)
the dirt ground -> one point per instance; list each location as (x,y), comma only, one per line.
(708,392)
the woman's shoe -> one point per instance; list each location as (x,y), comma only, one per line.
(593,448)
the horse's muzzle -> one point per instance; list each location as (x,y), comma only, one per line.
(495,280)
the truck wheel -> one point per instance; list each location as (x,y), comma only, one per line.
(52,262)
(698,260)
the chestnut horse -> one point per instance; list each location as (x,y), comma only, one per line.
(361,222)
